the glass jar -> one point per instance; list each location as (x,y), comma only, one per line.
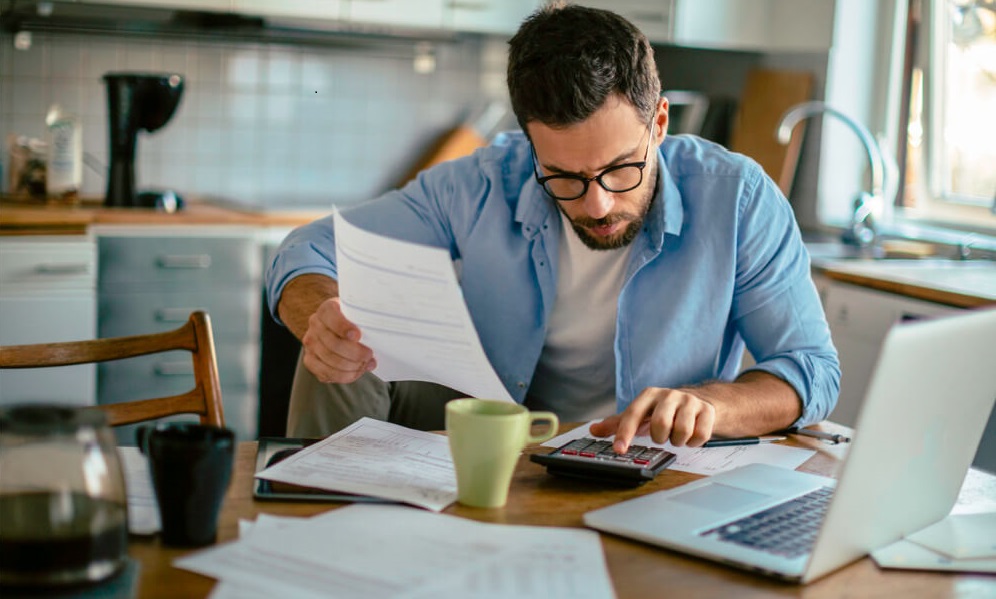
(63,507)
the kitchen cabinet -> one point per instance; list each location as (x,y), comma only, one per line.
(859,319)
(757,25)
(152,281)
(375,16)
(312,9)
(501,17)
(655,18)
(204,5)
(427,14)
(48,294)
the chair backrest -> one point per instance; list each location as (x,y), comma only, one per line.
(194,336)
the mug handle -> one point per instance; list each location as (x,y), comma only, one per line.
(552,422)
(142,438)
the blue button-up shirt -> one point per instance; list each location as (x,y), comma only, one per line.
(719,264)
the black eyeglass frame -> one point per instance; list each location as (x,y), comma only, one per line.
(586,181)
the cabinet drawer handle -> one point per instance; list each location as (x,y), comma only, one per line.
(174,369)
(467,5)
(175,314)
(192,261)
(647,16)
(63,269)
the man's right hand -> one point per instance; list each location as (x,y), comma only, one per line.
(332,348)
(309,307)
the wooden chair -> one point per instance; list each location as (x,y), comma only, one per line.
(194,336)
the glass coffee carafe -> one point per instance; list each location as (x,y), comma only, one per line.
(63,508)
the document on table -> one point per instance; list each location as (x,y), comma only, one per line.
(392,551)
(143,510)
(407,302)
(370,457)
(960,543)
(708,460)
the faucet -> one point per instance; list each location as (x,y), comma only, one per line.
(861,231)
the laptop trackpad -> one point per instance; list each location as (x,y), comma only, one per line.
(719,498)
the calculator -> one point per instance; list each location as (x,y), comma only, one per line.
(594,459)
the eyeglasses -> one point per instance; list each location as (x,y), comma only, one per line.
(617,179)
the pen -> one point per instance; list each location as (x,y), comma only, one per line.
(834,438)
(718,442)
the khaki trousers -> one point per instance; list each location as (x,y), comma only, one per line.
(319,409)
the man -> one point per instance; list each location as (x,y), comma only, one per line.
(611,271)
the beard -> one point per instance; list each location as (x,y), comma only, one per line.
(621,239)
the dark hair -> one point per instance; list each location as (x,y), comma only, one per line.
(566,60)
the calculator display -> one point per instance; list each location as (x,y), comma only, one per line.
(595,459)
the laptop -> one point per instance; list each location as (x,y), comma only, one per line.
(923,415)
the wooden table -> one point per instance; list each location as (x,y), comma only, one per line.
(637,570)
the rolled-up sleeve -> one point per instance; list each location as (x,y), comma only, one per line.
(308,249)
(777,309)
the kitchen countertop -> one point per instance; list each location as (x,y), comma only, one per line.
(56,218)
(963,284)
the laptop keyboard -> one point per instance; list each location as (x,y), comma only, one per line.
(788,529)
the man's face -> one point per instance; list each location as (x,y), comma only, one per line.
(614,135)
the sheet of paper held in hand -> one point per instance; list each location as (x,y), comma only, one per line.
(370,457)
(709,460)
(407,302)
(365,551)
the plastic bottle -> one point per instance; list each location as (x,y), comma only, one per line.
(64,134)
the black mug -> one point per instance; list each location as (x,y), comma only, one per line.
(191,467)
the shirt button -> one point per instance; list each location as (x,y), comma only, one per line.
(521,385)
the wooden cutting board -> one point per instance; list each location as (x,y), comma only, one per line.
(767,95)
(456,143)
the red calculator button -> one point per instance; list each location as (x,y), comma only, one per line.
(587,454)
(569,452)
(641,461)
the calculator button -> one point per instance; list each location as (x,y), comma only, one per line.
(577,445)
(569,451)
(608,453)
(598,446)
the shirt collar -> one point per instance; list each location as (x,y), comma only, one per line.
(667,215)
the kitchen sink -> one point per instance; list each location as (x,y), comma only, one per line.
(896,250)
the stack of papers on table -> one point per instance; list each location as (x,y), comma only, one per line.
(380,459)
(959,543)
(143,510)
(368,551)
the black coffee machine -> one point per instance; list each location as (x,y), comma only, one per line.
(137,101)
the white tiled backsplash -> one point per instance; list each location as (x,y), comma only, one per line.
(260,124)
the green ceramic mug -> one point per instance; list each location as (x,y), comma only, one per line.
(486,439)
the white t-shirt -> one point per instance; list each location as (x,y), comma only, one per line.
(576,374)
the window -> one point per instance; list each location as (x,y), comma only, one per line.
(950,149)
